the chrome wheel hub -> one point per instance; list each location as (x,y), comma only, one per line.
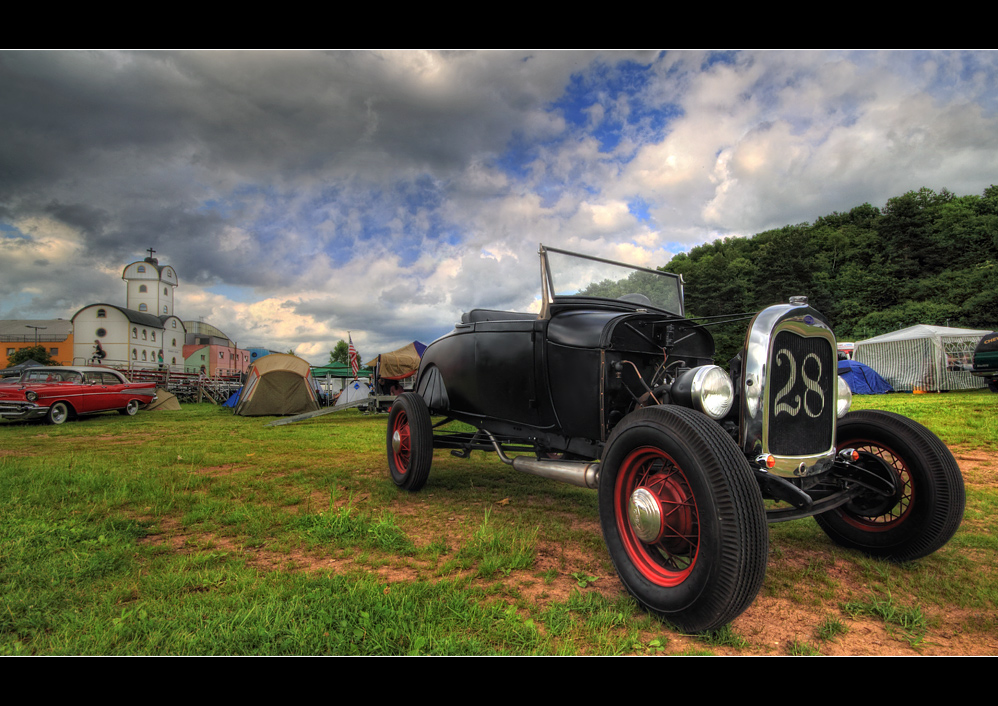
(396,441)
(644,512)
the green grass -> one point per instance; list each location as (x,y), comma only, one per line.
(909,620)
(959,418)
(830,629)
(186,533)
(800,648)
(723,637)
(198,532)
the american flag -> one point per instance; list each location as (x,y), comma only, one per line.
(354,360)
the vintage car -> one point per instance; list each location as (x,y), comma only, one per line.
(612,388)
(986,360)
(58,393)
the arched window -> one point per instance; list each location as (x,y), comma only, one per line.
(143,289)
(166,292)
(174,343)
(164,309)
(144,335)
(154,335)
(174,323)
(174,361)
(135,332)
(143,307)
(102,313)
(135,354)
(142,268)
(143,355)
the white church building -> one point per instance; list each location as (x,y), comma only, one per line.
(143,334)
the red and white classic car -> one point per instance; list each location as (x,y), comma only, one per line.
(59,393)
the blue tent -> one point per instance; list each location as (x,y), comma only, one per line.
(862,379)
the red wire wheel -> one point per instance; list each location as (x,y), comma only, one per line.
(409,441)
(682,517)
(401,442)
(927,507)
(657,516)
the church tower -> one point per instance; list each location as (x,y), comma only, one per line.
(150,286)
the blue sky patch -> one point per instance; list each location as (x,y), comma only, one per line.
(639,209)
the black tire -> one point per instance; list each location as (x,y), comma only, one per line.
(410,441)
(131,409)
(993,385)
(928,507)
(708,559)
(58,413)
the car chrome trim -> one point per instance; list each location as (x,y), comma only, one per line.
(758,395)
(583,474)
(548,294)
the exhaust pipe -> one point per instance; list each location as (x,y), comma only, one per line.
(584,474)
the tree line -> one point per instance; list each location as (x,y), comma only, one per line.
(924,258)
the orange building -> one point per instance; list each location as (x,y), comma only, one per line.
(56,335)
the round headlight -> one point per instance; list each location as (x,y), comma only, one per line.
(845,399)
(706,388)
(713,391)
(31,395)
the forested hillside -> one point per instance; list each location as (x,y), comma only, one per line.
(924,258)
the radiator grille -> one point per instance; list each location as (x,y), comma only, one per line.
(801,413)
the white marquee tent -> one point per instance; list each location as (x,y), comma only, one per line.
(929,358)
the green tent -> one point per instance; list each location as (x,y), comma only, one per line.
(277,384)
(339,370)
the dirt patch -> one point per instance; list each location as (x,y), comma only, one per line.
(977,466)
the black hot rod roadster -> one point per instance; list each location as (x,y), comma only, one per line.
(611,387)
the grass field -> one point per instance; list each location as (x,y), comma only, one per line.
(198,532)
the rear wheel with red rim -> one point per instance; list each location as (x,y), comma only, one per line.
(682,517)
(409,442)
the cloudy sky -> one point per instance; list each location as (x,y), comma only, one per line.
(300,195)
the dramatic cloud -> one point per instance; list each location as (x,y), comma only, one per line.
(301,195)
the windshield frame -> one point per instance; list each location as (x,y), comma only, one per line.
(549,296)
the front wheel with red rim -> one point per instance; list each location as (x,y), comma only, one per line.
(656,514)
(682,517)
(926,507)
(409,441)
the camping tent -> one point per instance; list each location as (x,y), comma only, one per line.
(277,384)
(355,391)
(165,402)
(21,367)
(398,364)
(390,369)
(929,358)
(862,379)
